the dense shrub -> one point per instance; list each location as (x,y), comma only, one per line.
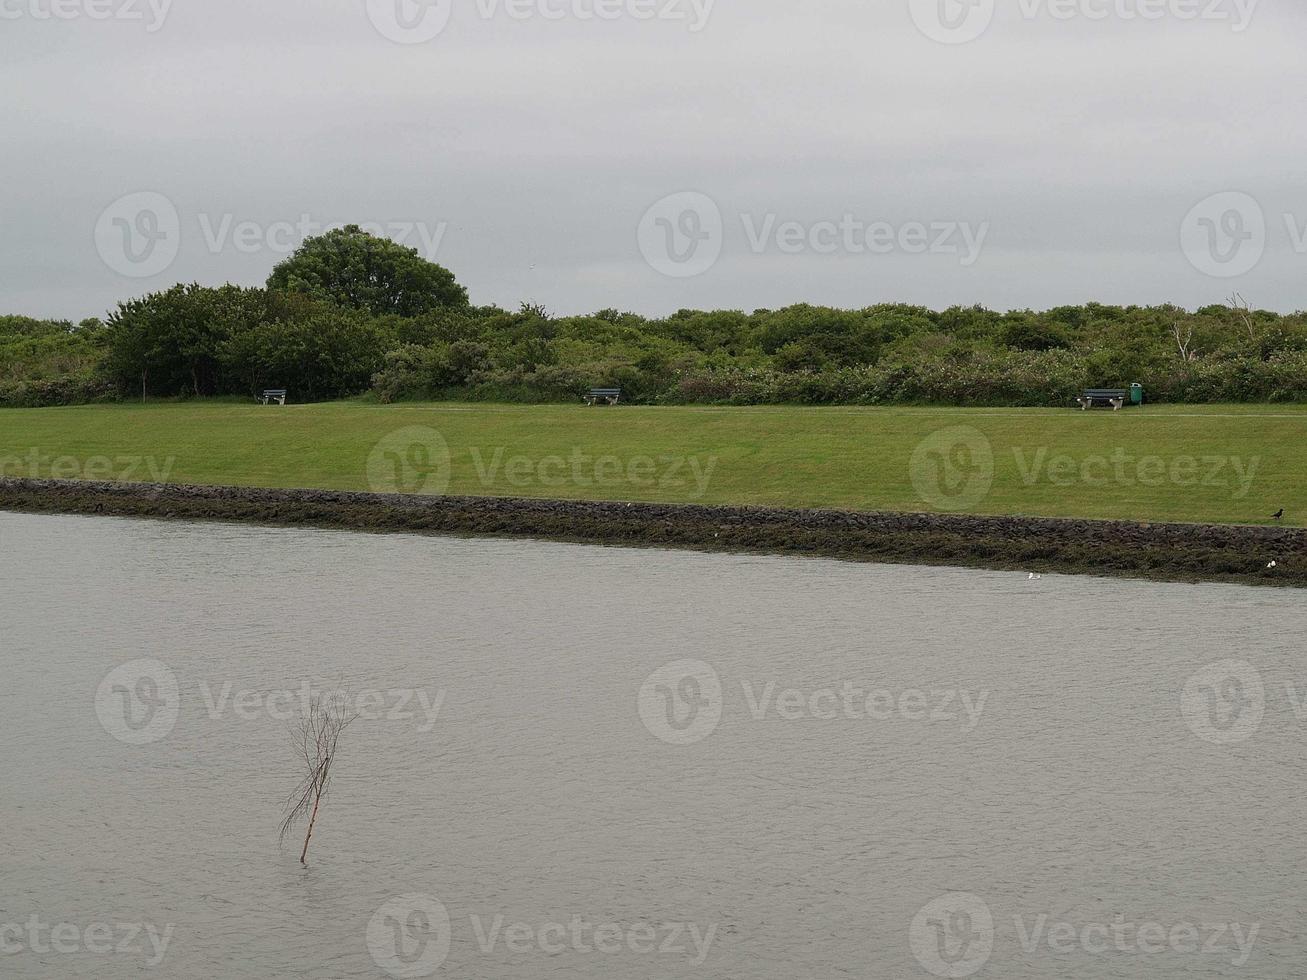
(350,313)
(33,350)
(55,391)
(320,354)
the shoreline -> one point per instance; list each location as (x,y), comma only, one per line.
(1163,552)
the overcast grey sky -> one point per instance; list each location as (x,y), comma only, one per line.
(670,153)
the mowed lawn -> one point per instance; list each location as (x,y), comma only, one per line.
(1236,464)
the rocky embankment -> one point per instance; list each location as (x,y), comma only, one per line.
(1181,552)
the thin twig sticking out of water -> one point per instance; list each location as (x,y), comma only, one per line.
(316,736)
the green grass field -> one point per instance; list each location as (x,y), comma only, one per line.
(1234,464)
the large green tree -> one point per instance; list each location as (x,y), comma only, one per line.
(353,269)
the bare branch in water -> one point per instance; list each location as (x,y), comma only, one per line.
(316,736)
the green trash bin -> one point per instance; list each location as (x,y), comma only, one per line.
(1136,394)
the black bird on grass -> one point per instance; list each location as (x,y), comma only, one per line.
(1278,515)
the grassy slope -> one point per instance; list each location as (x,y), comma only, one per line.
(804,457)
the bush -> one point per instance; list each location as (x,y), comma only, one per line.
(329,353)
(319,336)
(55,391)
(38,350)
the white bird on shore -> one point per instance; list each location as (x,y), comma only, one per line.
(1274,564)
(1033,576)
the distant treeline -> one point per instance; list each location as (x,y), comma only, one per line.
(350,314)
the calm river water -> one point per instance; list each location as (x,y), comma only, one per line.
(588,762)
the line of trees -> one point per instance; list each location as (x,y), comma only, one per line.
(350,313)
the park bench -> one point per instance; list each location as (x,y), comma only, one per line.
(1113,398)
(277,395)
(603,396)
